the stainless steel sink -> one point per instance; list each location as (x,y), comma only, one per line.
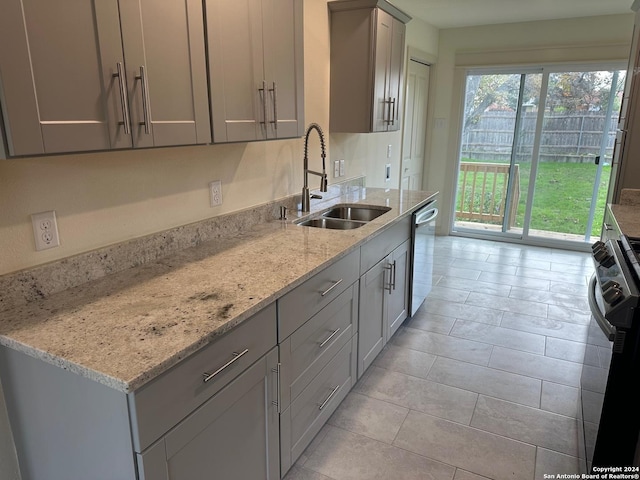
(344,217)
(331,223)
(362,214)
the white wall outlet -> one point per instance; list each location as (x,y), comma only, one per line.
(336,168)
(45,230)
(387,172)
(388,151)
(215,191)
(342,168)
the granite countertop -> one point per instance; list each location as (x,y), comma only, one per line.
(628,219)
(128,327)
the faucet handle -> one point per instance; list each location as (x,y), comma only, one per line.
(283,212)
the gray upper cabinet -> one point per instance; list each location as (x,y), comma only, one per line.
(367,62)
(65,85)
(255,50)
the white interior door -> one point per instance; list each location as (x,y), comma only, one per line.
(415,125)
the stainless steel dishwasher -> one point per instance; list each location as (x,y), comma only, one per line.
(423,231)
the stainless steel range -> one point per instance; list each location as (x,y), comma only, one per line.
(611,371)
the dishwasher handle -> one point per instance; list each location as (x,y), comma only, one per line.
(426,216)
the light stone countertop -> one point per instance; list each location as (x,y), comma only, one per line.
(628,219)
(127,328)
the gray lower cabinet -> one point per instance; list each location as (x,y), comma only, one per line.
(233,436)
(65,85)
(318,350)
(384,291)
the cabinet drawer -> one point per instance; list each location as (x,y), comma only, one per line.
(313,407)
(305,353)
(382,245)
(300,304)
(162,403)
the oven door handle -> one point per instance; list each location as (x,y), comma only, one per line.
(608,329)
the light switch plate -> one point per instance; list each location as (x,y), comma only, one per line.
(336,169)
(342,168)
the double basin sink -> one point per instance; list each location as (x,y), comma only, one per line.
(344,217)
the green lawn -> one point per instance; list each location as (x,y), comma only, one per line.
(562,197)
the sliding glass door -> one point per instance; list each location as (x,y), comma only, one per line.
(535,152)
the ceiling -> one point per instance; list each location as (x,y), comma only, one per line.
(464,13)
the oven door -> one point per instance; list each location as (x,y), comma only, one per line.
(595,370)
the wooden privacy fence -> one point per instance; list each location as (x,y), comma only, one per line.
(482,192)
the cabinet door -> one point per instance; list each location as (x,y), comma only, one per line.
(234,435)
(398,299)
(166,73)
(372,326)
(396,66)
(381,87)
(236,71)
(283,67)
(59,91)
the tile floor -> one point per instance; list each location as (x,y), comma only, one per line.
(481,383)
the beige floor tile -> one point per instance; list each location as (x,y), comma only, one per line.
(468,312)
(526,424)
(501,268)
(464,475)
(554,463)
(431,322)
(536,366)
(545,326)
(476,286)
(345,455)
(470,449)
(488,381)
(569,314)
(560,399)
(550,275)
(570,351)
(507,304)
(301,473)
(514,281)
(369,417)
(422,395)
(505,337)
(405,360)
(576,302)
(448,294)
(446,346)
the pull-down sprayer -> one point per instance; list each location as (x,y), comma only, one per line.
(306,197)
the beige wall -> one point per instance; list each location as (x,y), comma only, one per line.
(572,40)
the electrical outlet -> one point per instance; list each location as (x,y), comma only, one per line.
(387,172)
(215,191)
(336,169)
(45,230)
(342,168)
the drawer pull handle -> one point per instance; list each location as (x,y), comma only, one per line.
(333,334)
(608,227)
(335,284)
(236,357)
(390,286)
(333,392)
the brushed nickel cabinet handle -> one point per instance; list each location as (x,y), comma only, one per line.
(275,105)
(333,392)
(328,339)
(389,287)
(393,282)
(124,99)
(608,227)
(335,284)
(236,356)
(264,102)
(278,400)
(393,116)
(146,109)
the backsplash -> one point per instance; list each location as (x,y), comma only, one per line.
(39,282)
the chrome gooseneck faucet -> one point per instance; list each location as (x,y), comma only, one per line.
(306,198)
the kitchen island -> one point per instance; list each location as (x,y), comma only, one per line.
(126,329)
